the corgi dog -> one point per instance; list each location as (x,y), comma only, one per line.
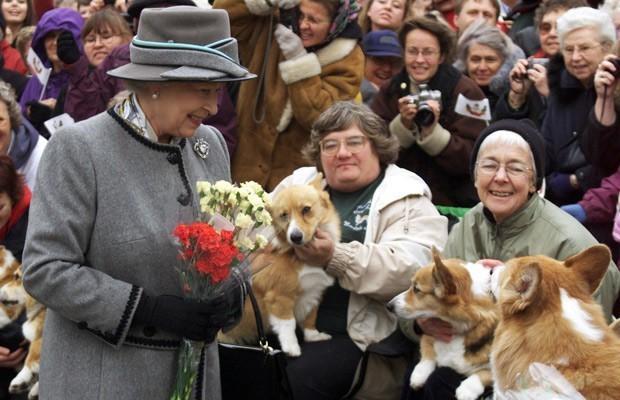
(548,316)
(458,293)
(9,266)
(287,291)
(13,292)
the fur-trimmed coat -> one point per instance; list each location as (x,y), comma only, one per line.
(296,92)
(99,236)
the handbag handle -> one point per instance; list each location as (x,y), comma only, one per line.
(262,338)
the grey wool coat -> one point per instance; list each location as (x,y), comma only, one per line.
(101,219)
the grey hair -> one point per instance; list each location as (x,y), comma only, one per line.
(7,95)
(587,17)
(478,32)
(507,139)
(343,115)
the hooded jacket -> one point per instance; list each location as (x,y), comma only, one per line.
(297,91)
(52,21)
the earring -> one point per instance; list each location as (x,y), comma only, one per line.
(155,96)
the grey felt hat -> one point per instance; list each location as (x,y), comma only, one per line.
(183,43)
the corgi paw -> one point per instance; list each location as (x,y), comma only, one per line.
(33,394)
(312,335)
(291,349)
(21,382)
(470,389)
(420,373)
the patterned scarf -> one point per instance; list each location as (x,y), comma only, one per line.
(346,13)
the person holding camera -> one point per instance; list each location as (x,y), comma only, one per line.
(419,105)
(600,138)
(307,56)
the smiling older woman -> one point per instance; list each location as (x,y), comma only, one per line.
(389,225)
(110,190)
(512,220)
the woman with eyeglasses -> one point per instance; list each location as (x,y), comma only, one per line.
(529,88)
(388,227)
(586,35)
(307,56)
(511,220)
(420,106)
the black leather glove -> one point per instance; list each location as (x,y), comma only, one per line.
(67,48)
(38,113)
(188,318)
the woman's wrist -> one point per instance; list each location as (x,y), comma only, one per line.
(515,100)
(604,110)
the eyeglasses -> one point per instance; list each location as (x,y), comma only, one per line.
(584,49)
(105,38)
(513,169)
(353,144)
(426,53)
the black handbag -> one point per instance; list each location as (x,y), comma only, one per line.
(253,372)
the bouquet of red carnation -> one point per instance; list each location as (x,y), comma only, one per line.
(215,253)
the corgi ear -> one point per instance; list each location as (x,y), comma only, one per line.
(317,181)
(443,281)
(525,282)
(590,265)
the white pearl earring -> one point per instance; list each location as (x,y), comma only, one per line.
(155,96)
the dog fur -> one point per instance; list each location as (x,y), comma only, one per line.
(457,293)
(13,294)
(548,316)
(9,266)
(288,292)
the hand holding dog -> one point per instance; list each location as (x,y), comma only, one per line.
(437,328)
(10,359)
(319,251)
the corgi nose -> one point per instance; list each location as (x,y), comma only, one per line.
(297,237)
(390,306)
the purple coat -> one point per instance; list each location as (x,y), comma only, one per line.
(600,203)
(91,89)
(54,20)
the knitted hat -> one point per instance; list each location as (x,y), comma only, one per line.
(524,128)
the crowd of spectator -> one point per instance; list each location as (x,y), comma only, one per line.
(486,104)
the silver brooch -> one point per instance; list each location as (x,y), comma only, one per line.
(201,147)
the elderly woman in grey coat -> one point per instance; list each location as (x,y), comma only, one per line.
(110,191)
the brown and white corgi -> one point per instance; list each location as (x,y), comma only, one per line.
(13,293)
(548,316)
(288,292)
(9,266)
(458,293)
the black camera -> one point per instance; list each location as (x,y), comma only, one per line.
(425,116)
(616,63)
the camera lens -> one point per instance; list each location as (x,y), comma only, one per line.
(424,117)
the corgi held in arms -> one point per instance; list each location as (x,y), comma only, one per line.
(548,316)
(459,293)
(288,292)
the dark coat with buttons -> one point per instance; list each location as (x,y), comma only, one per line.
(107,201)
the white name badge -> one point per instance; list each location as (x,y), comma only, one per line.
(54,124)
(479,109)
